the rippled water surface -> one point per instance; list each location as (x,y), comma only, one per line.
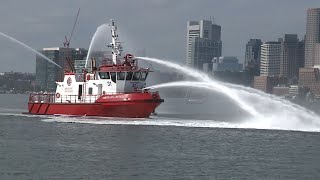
(185,141)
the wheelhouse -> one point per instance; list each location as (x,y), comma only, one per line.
(140,75)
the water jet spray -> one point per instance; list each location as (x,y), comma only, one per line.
(265,109)
(29,48)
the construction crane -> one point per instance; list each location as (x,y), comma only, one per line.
(66,44)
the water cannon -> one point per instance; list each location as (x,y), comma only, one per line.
(146,89)
(129,56)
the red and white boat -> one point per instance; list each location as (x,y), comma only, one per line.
(111,90)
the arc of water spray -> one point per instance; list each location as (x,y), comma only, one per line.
(93,40)
(216,88)
(294,112)
(29,48)
(204,78)
(185,70)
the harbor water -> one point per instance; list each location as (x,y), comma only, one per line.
(184,141)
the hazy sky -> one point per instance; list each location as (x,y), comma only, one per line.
(159,26)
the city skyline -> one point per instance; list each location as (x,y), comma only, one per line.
(41,26)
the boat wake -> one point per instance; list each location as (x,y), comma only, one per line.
(166,121)
(19,114)
(163,121)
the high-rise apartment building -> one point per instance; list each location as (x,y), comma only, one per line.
(203,51)
(252,56)
(47,73)
(203,42)
(312,37)
(270,59)
(291,57)
(317,54)
(310,78)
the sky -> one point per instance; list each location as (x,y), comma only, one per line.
(157,26)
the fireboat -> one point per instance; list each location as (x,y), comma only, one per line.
(114,89)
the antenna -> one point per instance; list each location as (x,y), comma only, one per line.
(115,44)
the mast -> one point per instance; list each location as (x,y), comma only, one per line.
(115,45)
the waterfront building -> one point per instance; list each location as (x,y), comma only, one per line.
(270,59)
(266,83)
(310,78)
(317,53)
(294,90)
(312,37)
(225,63)
(252,56)
(282,91)
(203,42)
(291,57)
(202,51)
(47,73)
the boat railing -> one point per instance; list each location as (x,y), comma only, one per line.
(54,98)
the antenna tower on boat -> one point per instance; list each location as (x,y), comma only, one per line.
(115,44)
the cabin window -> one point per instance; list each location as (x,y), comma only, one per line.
(129,76)
(90,91)
(113,77)
(104,75)
(143,76)
(136,76)
(121,75)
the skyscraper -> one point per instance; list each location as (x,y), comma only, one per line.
(47,74)
(252,56)
(203,42)
(317,53)
(291,56)
(270,59)
(312,36)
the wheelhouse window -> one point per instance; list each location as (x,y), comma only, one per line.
(113,77)
(104,75)
(121,75)
(136,76)
(129,76)
(143,76)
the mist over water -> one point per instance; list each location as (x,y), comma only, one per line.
(266,111)
(28,48)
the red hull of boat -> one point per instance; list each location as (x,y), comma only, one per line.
(139,105)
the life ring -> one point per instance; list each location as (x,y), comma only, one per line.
(58,95)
